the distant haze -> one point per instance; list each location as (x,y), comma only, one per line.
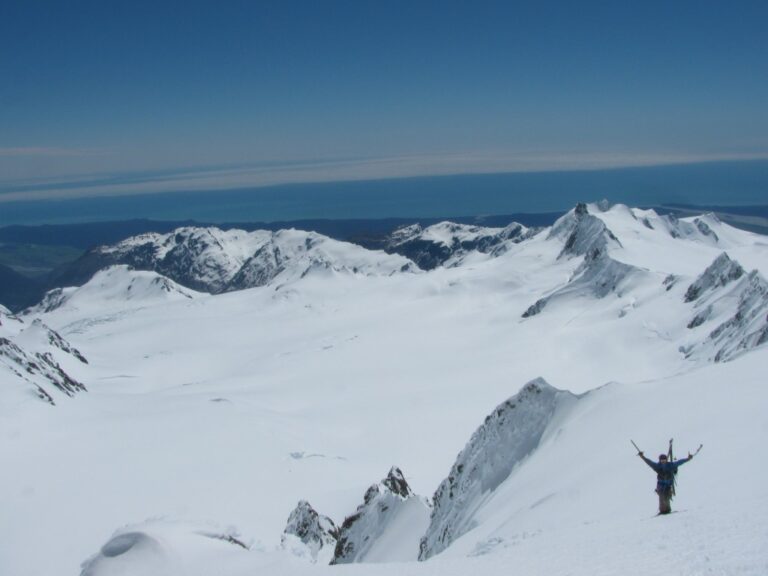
(719,183)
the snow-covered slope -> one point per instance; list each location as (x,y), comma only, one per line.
(31,359)
(115,287)
(227,410)
(508,435)
(289,255)
(203,259)
(731,311)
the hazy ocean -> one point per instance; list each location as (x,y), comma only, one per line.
(712,184)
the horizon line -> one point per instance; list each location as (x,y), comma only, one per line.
(241,177)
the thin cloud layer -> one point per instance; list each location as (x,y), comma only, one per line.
(202,179)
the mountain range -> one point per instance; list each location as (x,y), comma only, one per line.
(223,401)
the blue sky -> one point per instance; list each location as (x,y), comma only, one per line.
(268,92)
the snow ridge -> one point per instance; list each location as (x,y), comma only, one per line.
(597,276)
(583,233)
(508,435)
(115,286)
(738,328)
(31,353)
(720,273)
(386,527)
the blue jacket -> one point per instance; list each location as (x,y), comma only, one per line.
(665,471)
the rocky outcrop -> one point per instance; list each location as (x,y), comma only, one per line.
(731,311)
(598,276)
(582,233)
(386,526)
(317,534)
(447,243)
(720,273)
(31,355)
(289,255)
(508,435)
(699,229)
(204,259)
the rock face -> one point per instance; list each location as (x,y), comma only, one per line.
(31,356)
(732,311)
(509,434)
(720,273)
(214,261)
(203,259)
(582,233)
(318,534)
(447,243)
(386,527)
(597,277)
(699,228)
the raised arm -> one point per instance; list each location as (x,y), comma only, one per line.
(683,460)
(648,461)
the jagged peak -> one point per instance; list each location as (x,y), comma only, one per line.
(720,273)
(597,276)
(395,482)
(313,530)
(382,504)
(582,232)
(739,315)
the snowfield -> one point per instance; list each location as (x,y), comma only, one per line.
(208,418)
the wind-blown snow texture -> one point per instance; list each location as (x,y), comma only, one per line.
(209,416)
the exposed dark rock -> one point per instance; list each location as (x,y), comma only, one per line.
(382,503)
(312,529)
(720,273)
(448,242)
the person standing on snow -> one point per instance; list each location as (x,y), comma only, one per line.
(665,478)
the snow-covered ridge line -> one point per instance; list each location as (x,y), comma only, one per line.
(215,261)
(31,355)
(582,233)
(116,286)
(386,527)
(508,435)
(732,311)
